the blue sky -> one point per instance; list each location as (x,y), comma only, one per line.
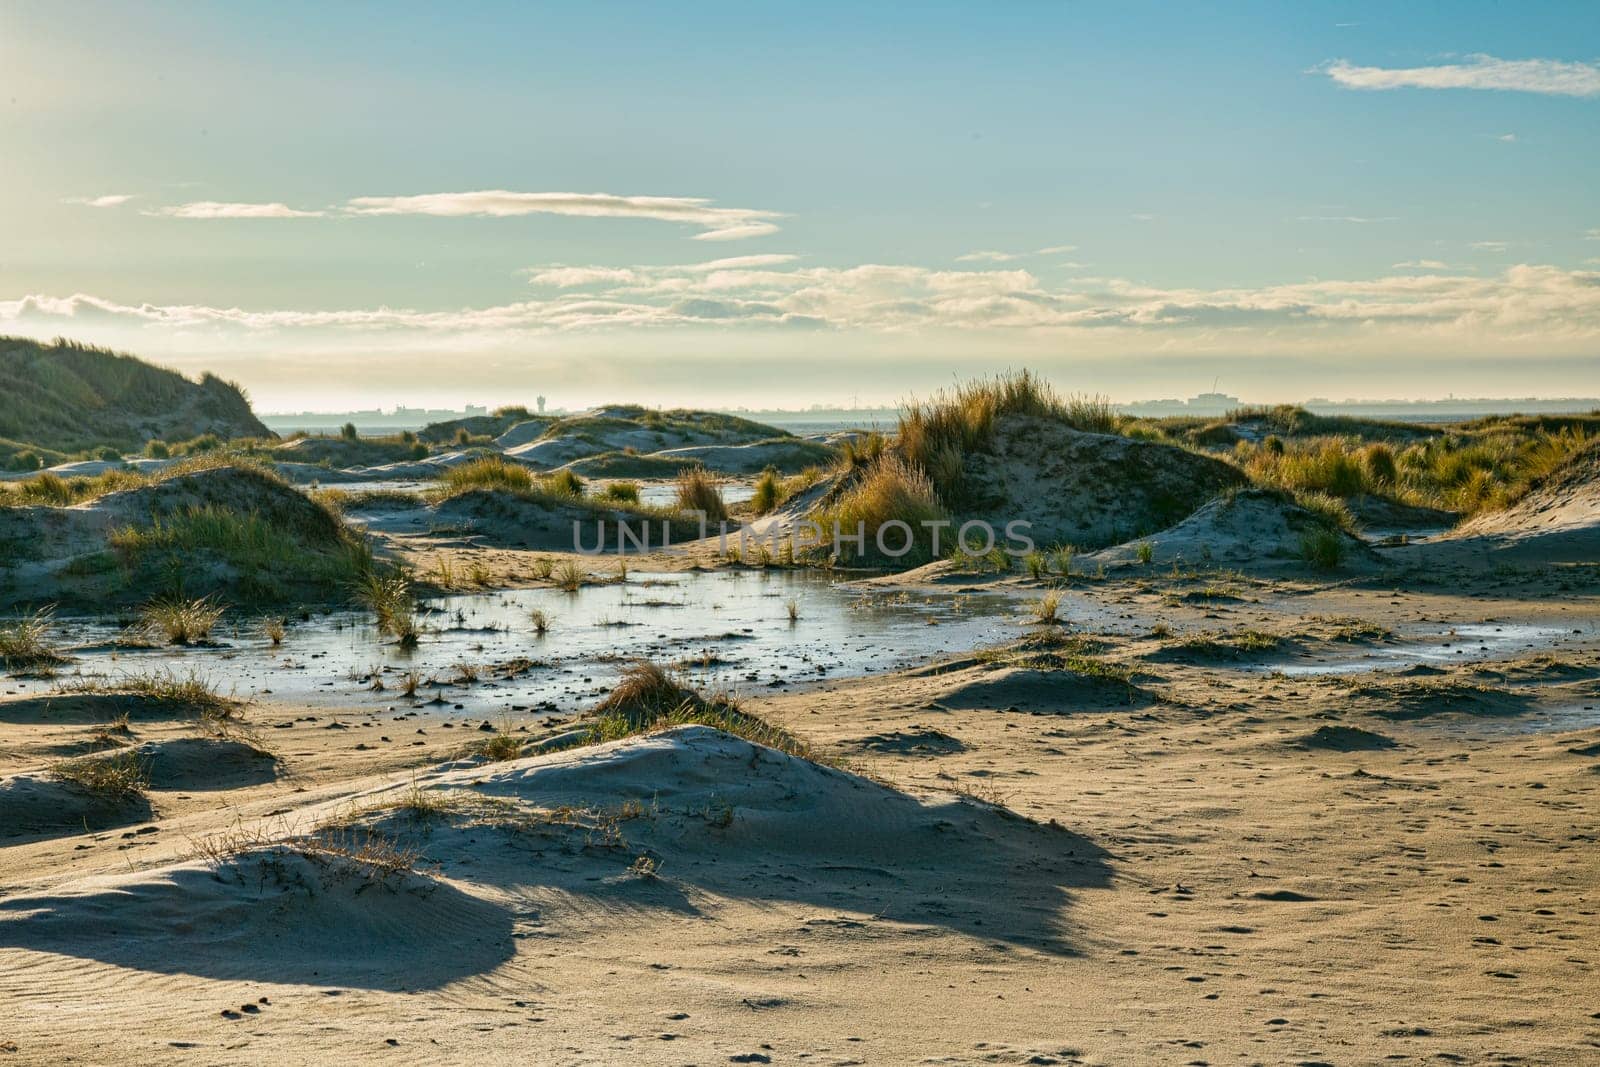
(1319,199)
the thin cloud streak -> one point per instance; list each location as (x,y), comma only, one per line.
(110,200)
(717,223)
(1551,77)
(213,209)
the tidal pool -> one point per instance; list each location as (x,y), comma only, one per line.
(481,653)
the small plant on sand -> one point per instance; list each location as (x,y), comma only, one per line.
(502,744)
(25,642)
(569,576)
(793,608)
(540,621)
(180,620)
(409,682)
(1037,563)
(274,629)
(1322,548)
(1046,610)
(621,492)
(1061,560)
(543,567)
(1144,551)
(121,776)
(698,491)
(490,472)
(391,602)
(768,492)
(563,483)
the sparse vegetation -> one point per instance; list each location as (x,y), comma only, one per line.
(392,603)
(25,642)
(180,620)
(889,491)
(936,436)
(621,492)
(116,777)
(1046,609)
(649,698)
(568,576)
(698,491)
(1322,547)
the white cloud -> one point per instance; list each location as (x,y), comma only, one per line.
(1538,306)
(1490,246)
(111,200)
(1360,220)
(213,209)
(717,223)
(1507,138)
(1549,76)
(1422,264)
(1056,250)
(1592,235)
(987,256)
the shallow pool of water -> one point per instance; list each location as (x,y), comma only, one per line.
(726,629)
(1440,646)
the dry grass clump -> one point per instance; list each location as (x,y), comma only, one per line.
(772,489)
(394,606)
(490,472)
(936,436)
(121,776)
(166,688)
(180,620)
(562,483)
(699,491)
(890,490)
(569,576)
(342,851)
(25,641)
(1046,610)
(540,621)
(621,492)
(650,698)
(1057,650)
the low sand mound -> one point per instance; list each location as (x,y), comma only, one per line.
(201,764)
(343,451)
(281,913)
(523,432)
(63,554)
(1558,520)
(1050,692)
(511,520)
(34,806)
(1087,489)
(641,430)
(789,455)
(241,489)
(680,826)
(1345,739)
(1248,528)
(78,709)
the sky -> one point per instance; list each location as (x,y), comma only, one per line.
(354,205)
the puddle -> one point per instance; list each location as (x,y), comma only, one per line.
(1441,646)
(727,629)
(656,494)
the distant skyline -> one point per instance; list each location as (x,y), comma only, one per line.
(358,205)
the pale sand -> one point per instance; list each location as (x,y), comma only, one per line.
(1211,889)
